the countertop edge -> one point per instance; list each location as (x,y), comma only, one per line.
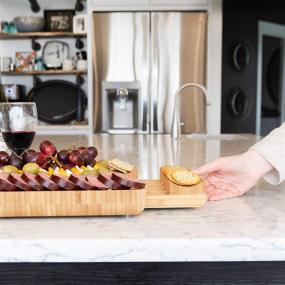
(142,250)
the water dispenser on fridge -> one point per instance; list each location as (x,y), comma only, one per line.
(120,106)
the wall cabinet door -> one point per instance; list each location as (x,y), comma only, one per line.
(179,2)
(119,3)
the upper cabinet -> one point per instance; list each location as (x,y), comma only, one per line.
(129,4)
(179,2)
(119,3)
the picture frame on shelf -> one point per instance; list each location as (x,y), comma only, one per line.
(59,20)
(80,24)
(24,61)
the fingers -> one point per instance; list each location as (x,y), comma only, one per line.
(209,167)
(215,196)
(220,191)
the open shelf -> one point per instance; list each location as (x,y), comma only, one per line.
(45,72)
(20,36)
(68,129)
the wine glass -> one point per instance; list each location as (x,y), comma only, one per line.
(18,122)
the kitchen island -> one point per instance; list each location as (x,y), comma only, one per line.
(249,228)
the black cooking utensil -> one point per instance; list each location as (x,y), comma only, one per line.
(35,7)
(58,101)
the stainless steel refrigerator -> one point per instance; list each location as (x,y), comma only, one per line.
(158,52)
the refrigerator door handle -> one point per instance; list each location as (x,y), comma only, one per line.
(155,71)
(146,72)
(141,59)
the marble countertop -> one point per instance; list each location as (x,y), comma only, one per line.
(249,228)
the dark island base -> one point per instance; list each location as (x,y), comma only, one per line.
(221,273)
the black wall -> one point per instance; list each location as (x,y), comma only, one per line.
(240,24)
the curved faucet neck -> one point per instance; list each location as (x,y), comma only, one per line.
(176,124)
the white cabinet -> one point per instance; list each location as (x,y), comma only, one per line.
(116,4)
(180,2)
(120,3)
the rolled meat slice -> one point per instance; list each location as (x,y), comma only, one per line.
(81,182)
(16,179)
(93,180)
(106,179)
(45,180)
(63,182)
(127,181)
(31,180)
(5,184)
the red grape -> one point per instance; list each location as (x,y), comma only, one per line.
(4,158)
(93,151)
(26,153)
(62,156)
(81,149)
(31,157)
(88,158)
(45,165)
(47,148)
(16,160)
(42,158)
(75,158)
(67,166)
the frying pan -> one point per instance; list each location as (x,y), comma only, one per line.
(58,101)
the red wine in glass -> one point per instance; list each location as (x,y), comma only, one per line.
(18,122)
(18,141)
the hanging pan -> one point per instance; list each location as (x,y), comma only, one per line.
(58,101)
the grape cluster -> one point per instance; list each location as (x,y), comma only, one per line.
(49,157)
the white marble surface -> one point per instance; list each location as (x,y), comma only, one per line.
(243,229)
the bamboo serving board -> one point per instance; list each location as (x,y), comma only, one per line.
(157,194)
(165,194)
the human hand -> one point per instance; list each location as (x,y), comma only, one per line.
(232,176)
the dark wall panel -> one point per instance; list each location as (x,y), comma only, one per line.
(240,25)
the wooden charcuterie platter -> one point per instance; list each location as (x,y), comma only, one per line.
(157,194)
(165,194)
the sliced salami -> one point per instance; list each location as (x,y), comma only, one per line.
(106,179)
(31,180)
(93,180)
(17,180)
(45,180)
(81,182)
(63,182)
(127,181)
(5,184)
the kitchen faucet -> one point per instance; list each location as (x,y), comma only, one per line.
(176,124)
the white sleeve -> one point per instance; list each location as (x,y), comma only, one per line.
(272,148)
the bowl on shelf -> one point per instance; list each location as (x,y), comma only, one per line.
(28,24)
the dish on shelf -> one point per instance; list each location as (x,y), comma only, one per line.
(26,24)
(58,101)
